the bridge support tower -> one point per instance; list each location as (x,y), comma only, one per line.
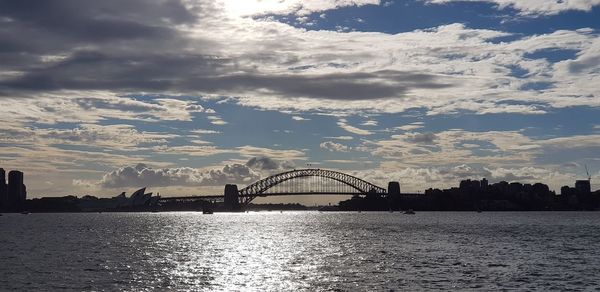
(393,197)
(232,198)
(393,189)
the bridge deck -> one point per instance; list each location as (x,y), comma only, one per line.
(213,197)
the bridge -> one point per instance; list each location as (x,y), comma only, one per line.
(295,182)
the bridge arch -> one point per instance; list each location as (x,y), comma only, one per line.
(259,188)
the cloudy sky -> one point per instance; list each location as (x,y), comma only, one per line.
(183,96)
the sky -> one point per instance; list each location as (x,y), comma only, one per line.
(184,96)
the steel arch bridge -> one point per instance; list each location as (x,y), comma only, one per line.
(354,185)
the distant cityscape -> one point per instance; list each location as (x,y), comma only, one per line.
(479,195)
(470,195)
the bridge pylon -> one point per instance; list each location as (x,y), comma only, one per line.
(393,189)
(231,197)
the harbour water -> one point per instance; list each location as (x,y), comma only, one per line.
(295,251)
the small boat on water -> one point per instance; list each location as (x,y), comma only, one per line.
(207,211)
(409,212)
(25,213)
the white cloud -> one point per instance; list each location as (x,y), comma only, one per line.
(410,127)
(299,118)
(116,137)
(340,138)
(371,123)
(142,175)
(334,147)
(354,130)
(536,7)
(215,120)
(288,155)
(204,131)
(284,7)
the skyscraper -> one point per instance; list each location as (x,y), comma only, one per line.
(3,189)
(583,186)
(484,183)
(16,189)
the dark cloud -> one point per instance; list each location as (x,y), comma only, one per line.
(422,138)
(344,86)
(583,64)
(138,46)
(268,164)
(90,20)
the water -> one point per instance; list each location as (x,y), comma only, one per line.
(295,251)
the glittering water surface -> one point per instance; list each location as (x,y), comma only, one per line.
(291,251)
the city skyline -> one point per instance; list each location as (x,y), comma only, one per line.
(184,97)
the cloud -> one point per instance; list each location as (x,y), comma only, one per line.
(199,48)
(269,164)
(423,138)
(204,131)
(334,147)
(286,7)
(535,7)
(299,118)
(370,123)
(191,150)
(342,123)
(493,148)
(119,136)
(410,127)
(142,175)
(215,120)
(253,151)
(340,137)
(71,107)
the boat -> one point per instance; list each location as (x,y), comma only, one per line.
(25,213)
(207,211)
(409,212)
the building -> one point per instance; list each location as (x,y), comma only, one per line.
(3,189)
(16,190)
(583,186)
(484,183)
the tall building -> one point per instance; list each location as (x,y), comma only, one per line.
(3,188)
(16,189)
(583,186)
(484,183)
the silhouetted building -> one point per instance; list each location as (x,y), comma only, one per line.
(583,186)
(484,183)
(3,189)
(16,190)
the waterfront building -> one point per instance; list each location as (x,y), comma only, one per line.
(583,186)
(3,188)
(16,189)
